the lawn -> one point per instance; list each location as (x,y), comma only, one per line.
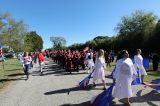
(152,75)
(11,70)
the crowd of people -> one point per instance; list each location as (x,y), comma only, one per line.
(92,61)
(28,59)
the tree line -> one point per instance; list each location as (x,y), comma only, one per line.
(15,37)
(139,30)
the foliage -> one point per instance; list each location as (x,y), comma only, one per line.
(12,32)
(58,42)
(32,42)
(134,31)
(139,30)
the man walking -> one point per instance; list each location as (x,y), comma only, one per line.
(41,60)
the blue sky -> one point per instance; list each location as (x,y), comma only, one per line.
(76,20)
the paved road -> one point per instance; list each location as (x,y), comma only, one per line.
(58,88)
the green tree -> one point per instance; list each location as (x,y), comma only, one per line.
(154,40)
(134,31)
(12,32)
(33,42)
(59,42)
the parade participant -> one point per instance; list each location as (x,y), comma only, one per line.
(86,58)
(118,64)
(76,61)
(99,69)
(41,60)
(90,62)
(26,62)
(35,56)
(139,64)
(124,79)
(94,56)
(155,61)
(82,59)
(107,58)
(69,61)
(31,63)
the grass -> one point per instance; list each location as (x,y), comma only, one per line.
(12,69)
(152,75)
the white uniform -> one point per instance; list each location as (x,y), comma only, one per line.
(90,63)
(117,67)
(139,64)
(124,79)
(99,66)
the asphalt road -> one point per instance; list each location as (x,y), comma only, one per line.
(58,88)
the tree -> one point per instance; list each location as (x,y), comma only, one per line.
(12,32)
(33,42)
(136,28)
(154,40)
(59,42)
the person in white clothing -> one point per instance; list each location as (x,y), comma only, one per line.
(139,64)
(26,62)
(118,64)
(124,78)
(99,68)
(90,63)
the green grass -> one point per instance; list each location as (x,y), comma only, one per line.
(110,68)
(12,69)
(152,75)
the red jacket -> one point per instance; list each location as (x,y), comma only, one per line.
(41,57)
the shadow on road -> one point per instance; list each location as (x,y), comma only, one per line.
(149,97)
(69,90)
(13,79)
(81,104)
(14,69)
(17,74)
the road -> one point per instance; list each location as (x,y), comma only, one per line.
(59,88)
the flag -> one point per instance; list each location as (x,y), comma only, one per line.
(137,79)
(146,63)
(151,85)
(85,81)
(86,49)
(155,84)
(104,98)
(113,71)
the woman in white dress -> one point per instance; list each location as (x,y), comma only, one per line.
(99,68)
(124,78)
(139,64)
(90,62)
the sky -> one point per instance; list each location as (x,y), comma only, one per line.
(76,20)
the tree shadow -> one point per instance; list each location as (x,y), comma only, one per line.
(109,77)
(15,79)
(17,74)
(149,97)
(14,70)
(87,103)
(107,84)
(69,90)
(68,73)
